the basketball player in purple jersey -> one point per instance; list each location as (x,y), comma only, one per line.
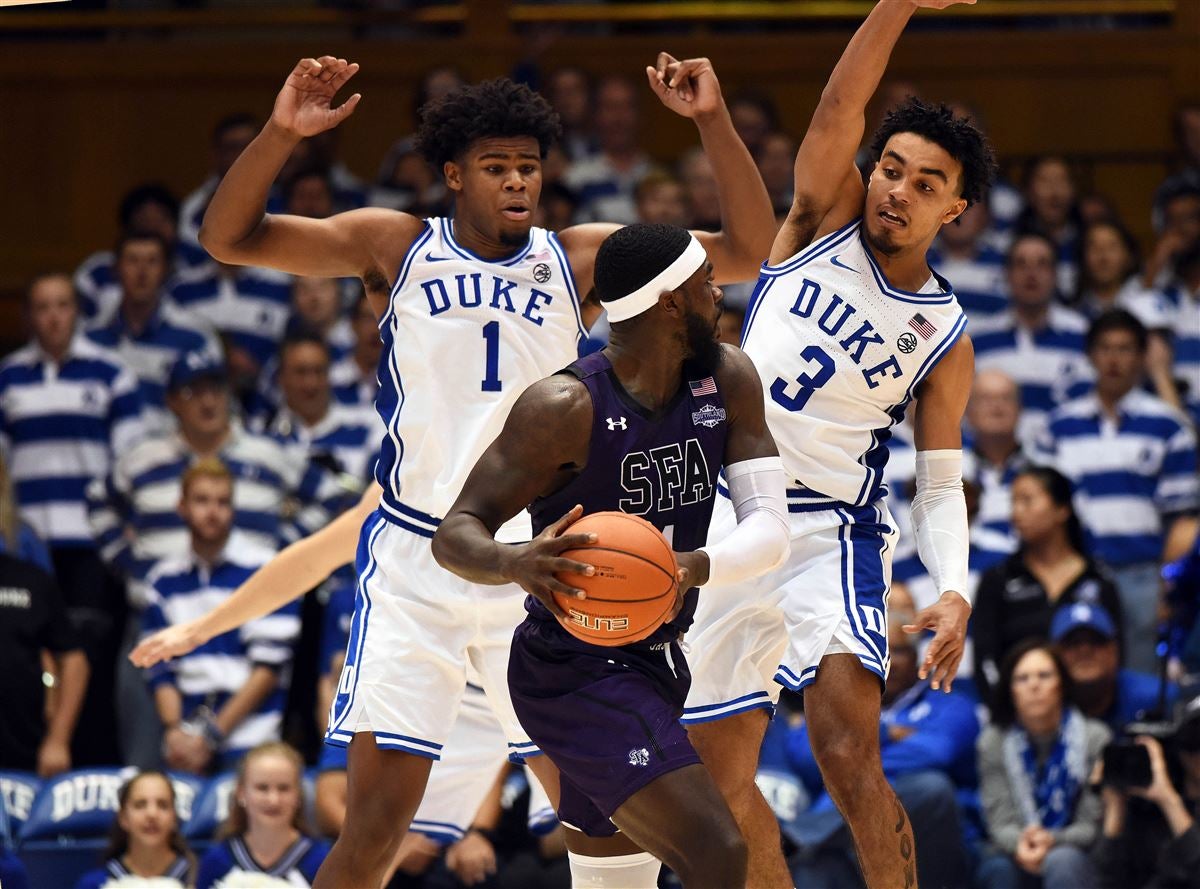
(644,427)
(848,326)
(473,310)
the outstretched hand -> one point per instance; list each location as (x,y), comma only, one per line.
(174,641)
(536,565)
(304,105)
(947,617)
(689,88)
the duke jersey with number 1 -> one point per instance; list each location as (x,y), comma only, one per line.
(463,337)
(841,352)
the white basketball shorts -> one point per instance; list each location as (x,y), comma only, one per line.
(416,627)
(829,596)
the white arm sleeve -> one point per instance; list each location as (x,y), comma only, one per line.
(939,512)
(761,539)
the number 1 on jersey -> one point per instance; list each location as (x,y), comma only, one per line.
(491,373)
(808,384)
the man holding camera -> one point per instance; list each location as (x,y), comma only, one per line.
(1138,850)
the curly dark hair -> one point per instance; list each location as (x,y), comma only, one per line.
(961,139)
(493,108)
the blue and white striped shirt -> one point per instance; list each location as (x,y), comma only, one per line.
(1049,365)
(345,440)
(186,588)
(61,425)
(979,282)
(1129,475)
(152,353)
(992,536)
(1185,326)
(278,496)
(249,305)
(351,385)
(100,291)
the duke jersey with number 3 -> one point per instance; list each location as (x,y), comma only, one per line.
(841,352)
(463,337)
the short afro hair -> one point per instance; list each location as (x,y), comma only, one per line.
(961,139)
(632,256)
(491,109)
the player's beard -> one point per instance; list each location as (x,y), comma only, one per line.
(704,350)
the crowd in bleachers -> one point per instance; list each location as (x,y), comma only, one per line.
(172,422)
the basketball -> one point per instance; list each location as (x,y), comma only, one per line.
(634,587)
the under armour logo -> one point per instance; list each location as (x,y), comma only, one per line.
(639,757)
(614,425)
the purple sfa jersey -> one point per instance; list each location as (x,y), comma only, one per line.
(608,717)
(662,467)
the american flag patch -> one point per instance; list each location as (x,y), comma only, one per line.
(707,386)
(922,326)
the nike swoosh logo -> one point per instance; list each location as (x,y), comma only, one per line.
(841,265)
(429,257)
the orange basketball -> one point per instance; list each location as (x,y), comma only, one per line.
(634,587)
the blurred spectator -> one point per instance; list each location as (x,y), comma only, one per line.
(1004,201)
(729,325)
(661,198)
(605,181)
(148,335)
(354,378)
(145,840)
(348,191)
(68,408)
(226,695)
(1132,458)
(993,461)
(1018,598)
(569,91)
(317,307)
(928,748)
(1086,636)
(1107,275)
(145,208)
(754,117)
(248,306)
(1050,209)
(1035,761)
(230,137)
(1187,141)
(777,165)
(436,84)
(966,257)
(308,192)
(265,831)
(1096,207)
(696,171)
(1151,841)
(1174,268)
(1037,343)
(33,619)
(278,497)
(17,537)
(408,182)
(557,208)
(343,438)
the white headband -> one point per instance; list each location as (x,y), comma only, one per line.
(668,279)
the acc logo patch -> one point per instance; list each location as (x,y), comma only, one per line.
(907,343)
(541,273)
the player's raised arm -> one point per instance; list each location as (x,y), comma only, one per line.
(690,89)
(545,436)
(238,230)
(940,509)
(829,189)
(291,573)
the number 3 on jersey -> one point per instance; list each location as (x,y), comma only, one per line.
(491,374)
(808,384)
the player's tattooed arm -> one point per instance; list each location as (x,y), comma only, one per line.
(367,243)
(828,187)
(543,444)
